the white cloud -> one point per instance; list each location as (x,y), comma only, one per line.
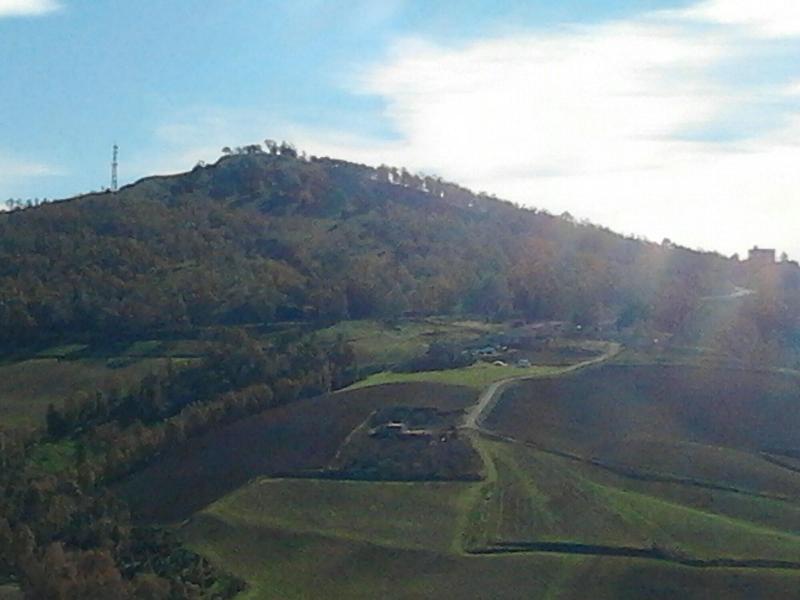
(767,18)
(596,120)
(792,89)
(22,8)
(549,104)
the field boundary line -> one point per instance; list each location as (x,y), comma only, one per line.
(650,553)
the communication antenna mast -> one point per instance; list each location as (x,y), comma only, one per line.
(114,165)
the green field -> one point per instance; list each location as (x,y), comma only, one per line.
(328,539)
(481,374)
(541,497)
(476,376)
(376,343)
(403,515)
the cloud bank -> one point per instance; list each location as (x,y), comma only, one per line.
(27,8)
(765,18)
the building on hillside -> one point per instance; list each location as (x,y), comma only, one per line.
(761,256)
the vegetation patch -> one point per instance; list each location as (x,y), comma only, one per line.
(54,457)
(29,386)
(300,436)
(380,343)
(402,515)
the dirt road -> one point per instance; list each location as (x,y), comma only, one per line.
(490,396)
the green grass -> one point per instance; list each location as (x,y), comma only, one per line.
(543,497)
(289,565)
(401,515)
(54,457)
(477,376)
(295,565)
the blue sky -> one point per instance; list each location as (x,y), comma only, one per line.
(652,117)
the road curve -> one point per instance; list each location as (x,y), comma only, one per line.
(490,396)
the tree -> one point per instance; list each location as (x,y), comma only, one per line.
(57,425)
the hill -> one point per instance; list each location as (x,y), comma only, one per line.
(296,358)
(265,237)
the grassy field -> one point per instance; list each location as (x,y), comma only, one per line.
(767,512)
(541,497)
(324,539)
(702,429)
(379,343)
(27,387)
(403,515)
(476,376)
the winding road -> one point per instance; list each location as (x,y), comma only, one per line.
(489,397)
(738,292)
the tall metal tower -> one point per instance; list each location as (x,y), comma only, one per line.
(114,165)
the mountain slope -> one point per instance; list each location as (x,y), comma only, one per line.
(260,237)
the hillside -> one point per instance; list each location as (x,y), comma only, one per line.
(274,370)
(263,237)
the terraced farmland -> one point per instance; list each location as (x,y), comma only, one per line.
(614,479)
(301,436)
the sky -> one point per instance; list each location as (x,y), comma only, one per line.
(658,118)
